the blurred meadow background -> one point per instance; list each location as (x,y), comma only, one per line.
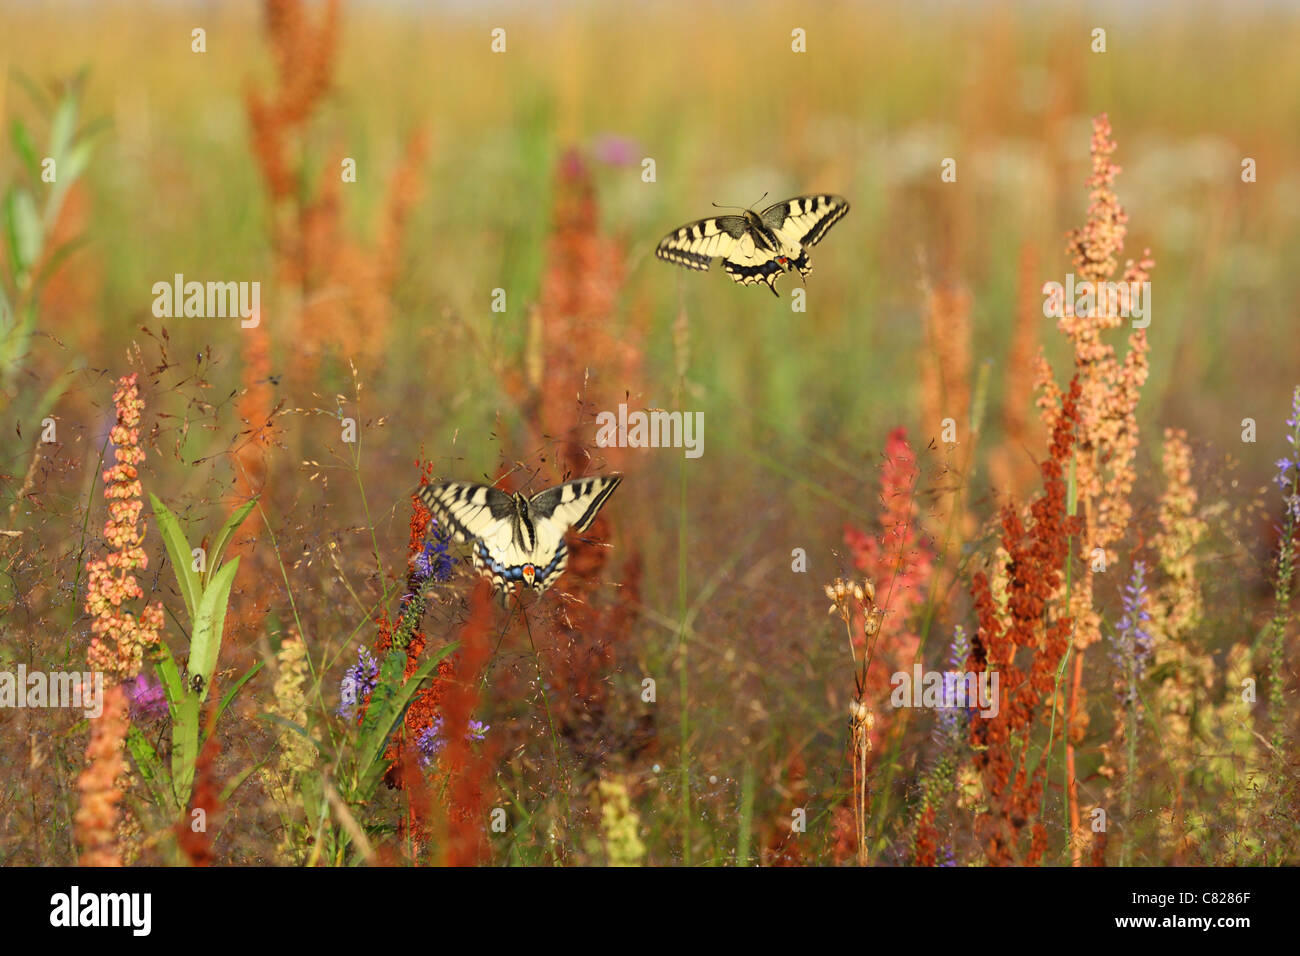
(328,730)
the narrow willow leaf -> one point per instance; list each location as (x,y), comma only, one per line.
(227,532)
(208,625)
(178,550)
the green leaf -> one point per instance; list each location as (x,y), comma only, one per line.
(227,531)
(208,625)
(70,169)
(44,402)
(35,91)
(70,153)
(94,127)
(230,694)
(178,549)
(170,676)
(145,756)
(185,746)
(151,769)
(381,698)
(388,702)
(205,643)
(24,230)
(17,342)
(25,148)
(63,126)
(238,780)
(30,231)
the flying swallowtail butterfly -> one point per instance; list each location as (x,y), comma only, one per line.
(517,539)
(755,247)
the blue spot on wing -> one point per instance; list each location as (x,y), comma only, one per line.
(511,573)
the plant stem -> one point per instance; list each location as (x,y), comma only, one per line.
(683,681)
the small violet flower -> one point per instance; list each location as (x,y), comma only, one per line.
(430,740)
(1132,644)
(358,681)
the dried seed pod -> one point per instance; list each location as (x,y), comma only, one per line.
(874,618)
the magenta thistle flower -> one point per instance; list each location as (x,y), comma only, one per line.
(148,701)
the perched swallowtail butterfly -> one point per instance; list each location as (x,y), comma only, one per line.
(755,247)
(517,539)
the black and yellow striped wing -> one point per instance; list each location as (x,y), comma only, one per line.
(756,247)
(468,511)
(517,542)
(696,244)
(801,222)
(573,504)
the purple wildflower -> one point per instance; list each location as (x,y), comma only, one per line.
(951,721)
(1283,466)
(1286,560)
(1132,644)
(614,150)
(1288,469)
(948,726)
(147,700)
(358,681)
(434,561)
(430,740)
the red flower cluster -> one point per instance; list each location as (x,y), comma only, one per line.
(468,768)
(424,708)
(898,560)
(926,844)
(1036,562)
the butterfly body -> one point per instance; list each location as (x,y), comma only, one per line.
(756,247)
(517,540)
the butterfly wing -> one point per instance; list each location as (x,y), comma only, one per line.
(554,511)
(573,504)
(748,253)
(800,223)
(509,562)
(469,511)
(750,263)
(697,244)
(503,551)
(483,515)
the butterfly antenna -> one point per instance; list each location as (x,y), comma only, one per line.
(760,199)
